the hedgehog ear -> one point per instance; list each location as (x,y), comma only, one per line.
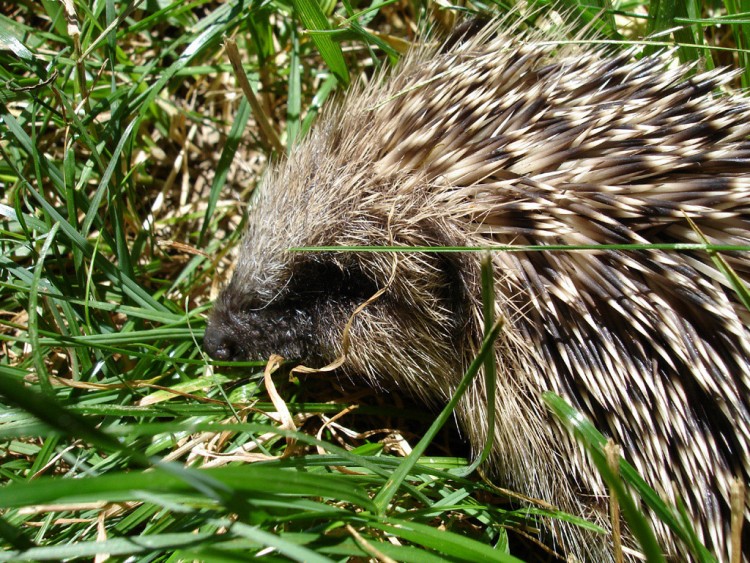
(456,294)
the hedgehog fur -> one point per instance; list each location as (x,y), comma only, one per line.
(514,138)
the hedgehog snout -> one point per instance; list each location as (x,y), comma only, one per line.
(219,343)
(226,336)
(255,334)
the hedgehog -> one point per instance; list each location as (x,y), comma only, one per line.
(508,137)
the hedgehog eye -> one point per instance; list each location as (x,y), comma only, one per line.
(316,279)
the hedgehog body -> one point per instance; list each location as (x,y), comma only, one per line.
(499,141)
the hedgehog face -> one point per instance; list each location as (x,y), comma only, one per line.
(313,299)
(298,305)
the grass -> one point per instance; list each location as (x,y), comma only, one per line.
(128,153)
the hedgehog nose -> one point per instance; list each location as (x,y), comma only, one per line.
(218,344)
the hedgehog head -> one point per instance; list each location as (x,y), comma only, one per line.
(316,307)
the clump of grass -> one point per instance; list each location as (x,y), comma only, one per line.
(128,154)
